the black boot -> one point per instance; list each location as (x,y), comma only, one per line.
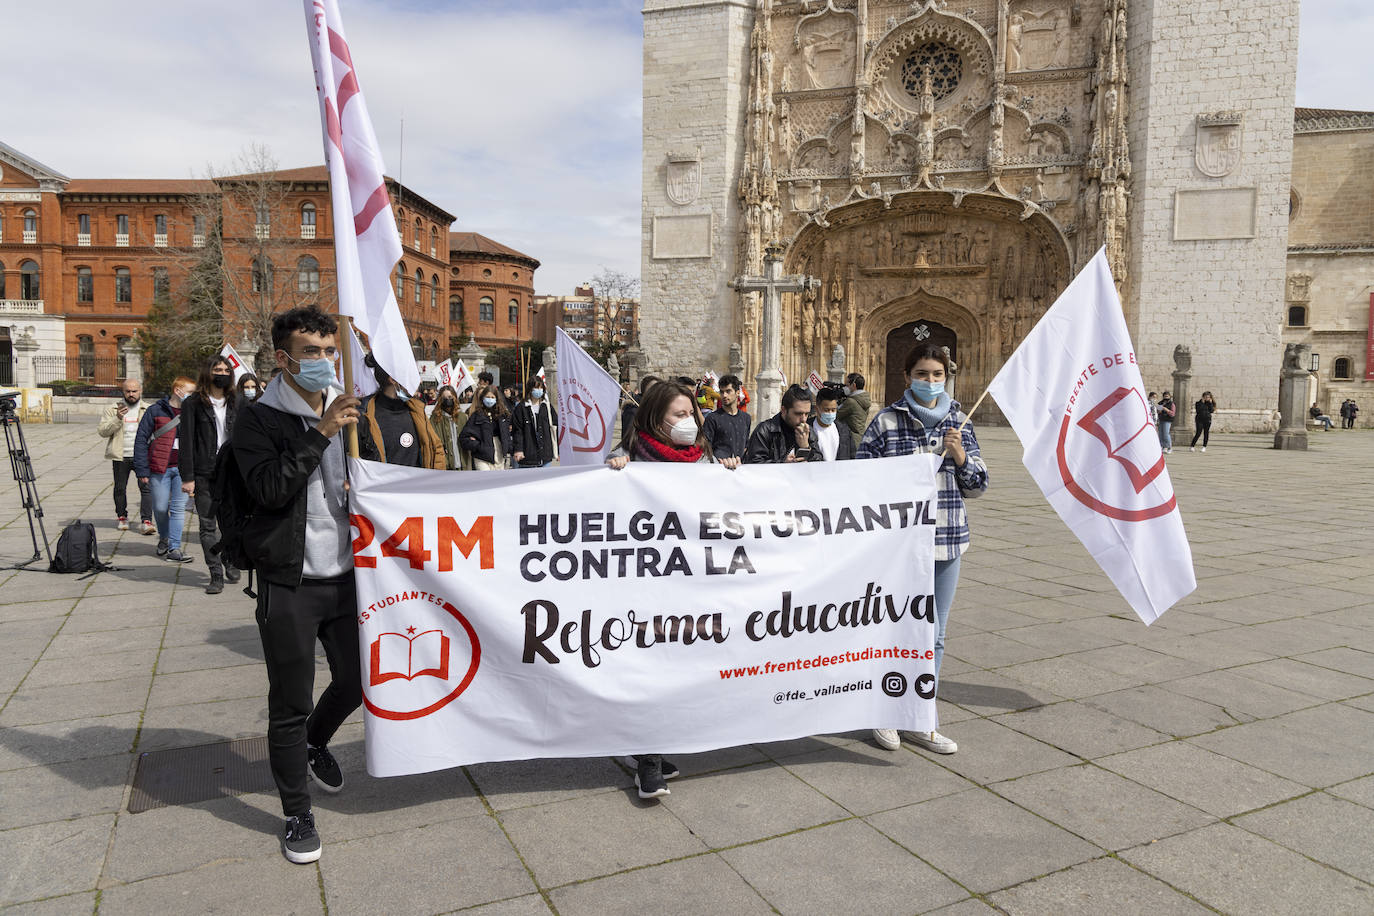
(216,584)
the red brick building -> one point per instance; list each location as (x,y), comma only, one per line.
(82,261)
(491,292)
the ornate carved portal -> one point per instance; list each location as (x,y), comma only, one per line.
(977,273)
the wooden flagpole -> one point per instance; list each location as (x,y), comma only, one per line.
(346,351)
(968,416)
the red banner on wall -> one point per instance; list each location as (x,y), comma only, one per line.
(1369,344)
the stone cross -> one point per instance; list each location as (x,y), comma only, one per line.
(772,284)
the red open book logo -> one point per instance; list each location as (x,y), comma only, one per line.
(398,655)
(1121,422)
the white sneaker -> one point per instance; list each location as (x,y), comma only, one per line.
(887,739)
(1193,448)
(1204,450)
(932,741)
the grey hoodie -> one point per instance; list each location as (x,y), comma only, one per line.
(328,540)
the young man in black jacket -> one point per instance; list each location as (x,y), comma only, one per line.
(207,425)
(784,437)
(291,454)
(727,427)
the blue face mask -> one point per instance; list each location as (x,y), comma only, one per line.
(927,391)
(827,417)
(488,402)
(314,374)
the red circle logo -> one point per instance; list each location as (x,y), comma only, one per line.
(582,421)
(1116,441)
(422,662)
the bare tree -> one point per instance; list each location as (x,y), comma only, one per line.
(615,295)
(247,259)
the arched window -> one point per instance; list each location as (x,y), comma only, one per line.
(486,309)
(85,356)
(513,312)
(455,307)
(1297,316)
(434,349)
(418,348)
(434,291)
(308,275)
(29,287)
(1340,368)
(400,222)
(124,285)
(307,214)
(419,283)
(417,233)
(262,221)
(85,285)
(433,242)
(400,282)
(262,276)
(30,226)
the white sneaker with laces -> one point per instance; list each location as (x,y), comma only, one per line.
(1204,450)
(887,739)
(932,741)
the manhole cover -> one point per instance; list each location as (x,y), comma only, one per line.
(180,776)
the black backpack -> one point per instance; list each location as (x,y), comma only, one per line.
(76,550)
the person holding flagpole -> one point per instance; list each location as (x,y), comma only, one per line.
(924,420)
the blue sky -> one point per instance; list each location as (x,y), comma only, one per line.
(522,117)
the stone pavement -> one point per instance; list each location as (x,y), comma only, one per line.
(1219,759)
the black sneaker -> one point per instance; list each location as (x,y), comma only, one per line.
(670,770)
(649,779)
(324,769)
(231,575)
(216,585)
(176,556)
(300,843)
(162,547)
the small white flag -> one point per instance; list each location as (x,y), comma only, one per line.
(588,399)
(364,382)
(1074,395)
(366,242)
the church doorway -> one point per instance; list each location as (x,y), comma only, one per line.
(902,340)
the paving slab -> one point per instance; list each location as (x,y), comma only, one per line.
(1316,747)
(1330,830)
(739,806)
(517,783)
(1163,710)
(167,841)
(75,701)
(1211,782)
(433,869)
(1360,791)
(864,778)
(1235,871)
(983,841)
(1077,728)
(1101,807)
(66,905)
(707,881)
(794,873)
(990,752)
(58,742)
(259,886)
(560,845)
(59,791)
(1103,885)
(29,854)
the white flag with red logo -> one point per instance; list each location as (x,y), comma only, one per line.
(235,361)
(366,243)
(588,399)
(1074,395)
(364,382)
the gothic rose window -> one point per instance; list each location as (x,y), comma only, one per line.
(944,63)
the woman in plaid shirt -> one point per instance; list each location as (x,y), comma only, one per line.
(927,420)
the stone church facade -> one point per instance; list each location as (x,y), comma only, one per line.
(943,169)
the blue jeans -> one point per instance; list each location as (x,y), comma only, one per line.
(946,581)
(169,506)
(1166,438)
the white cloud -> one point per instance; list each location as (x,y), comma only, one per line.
(522,117)
(524,123)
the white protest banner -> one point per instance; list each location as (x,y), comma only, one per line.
(588,399)
(367,244)
(364,382)
(1074,395)
(659,609)
(235,361)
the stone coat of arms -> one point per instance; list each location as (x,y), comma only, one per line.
(1218,143)
(683,178)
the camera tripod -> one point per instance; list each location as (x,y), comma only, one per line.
(23,475)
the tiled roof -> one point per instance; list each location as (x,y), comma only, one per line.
(139,186)
(476,243)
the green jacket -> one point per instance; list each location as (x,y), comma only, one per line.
(853,413)
(447,429)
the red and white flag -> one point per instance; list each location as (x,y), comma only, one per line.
(588,399)
(364,382)
(235,361)
(1074,395)
(366,243)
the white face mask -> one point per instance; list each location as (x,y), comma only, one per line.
(684,431)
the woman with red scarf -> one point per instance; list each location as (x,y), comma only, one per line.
(667,427)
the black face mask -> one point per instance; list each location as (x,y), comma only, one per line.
(222,381)
(446,403)
(380,375)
